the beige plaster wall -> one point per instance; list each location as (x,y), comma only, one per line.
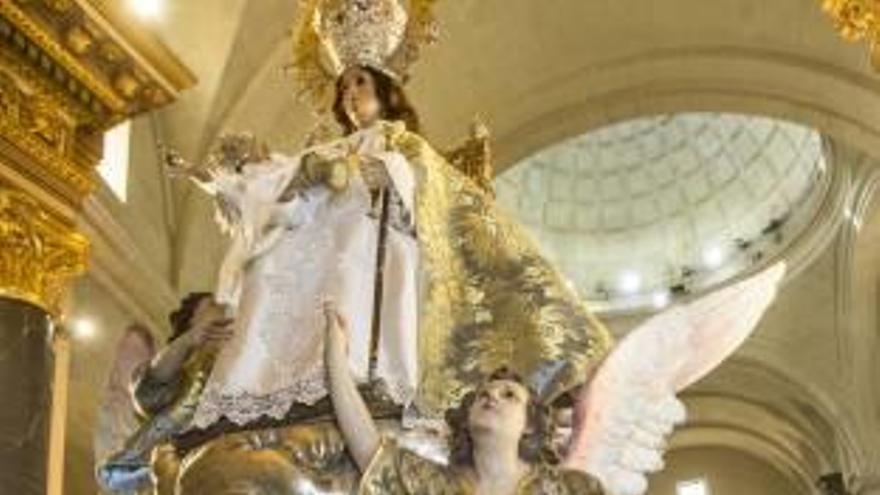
(727,471)
(89,370)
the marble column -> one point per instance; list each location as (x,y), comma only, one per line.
(25,396)
(39,254)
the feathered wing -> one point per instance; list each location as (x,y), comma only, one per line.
(117,419)
(624,415)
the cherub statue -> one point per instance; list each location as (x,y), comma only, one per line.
(500,431)
(499,435)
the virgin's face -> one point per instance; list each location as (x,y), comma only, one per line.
(359,98)
(501,407)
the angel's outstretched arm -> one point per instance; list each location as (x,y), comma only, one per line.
(157,384)
(209,327)
(357,425)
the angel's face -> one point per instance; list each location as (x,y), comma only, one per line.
(501,407)
(359,98)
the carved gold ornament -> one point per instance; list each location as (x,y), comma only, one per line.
(857,20)
(38,254)
(39,122)
(494,300)
(473,157)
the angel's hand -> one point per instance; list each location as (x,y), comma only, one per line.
(210,327)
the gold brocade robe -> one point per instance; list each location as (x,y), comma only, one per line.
(397,471)
(489,298)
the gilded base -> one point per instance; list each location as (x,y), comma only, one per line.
(304,459)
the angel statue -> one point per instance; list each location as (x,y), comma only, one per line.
(439,287)
(499,434)
(117,418)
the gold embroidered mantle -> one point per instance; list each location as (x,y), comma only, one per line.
(490,299)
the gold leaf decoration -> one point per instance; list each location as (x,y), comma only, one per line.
(38,254)
(857,20)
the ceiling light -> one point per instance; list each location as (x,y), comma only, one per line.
(692,487)
(660,299)
(149,9)
(713,257)
(83,329)
(630,283)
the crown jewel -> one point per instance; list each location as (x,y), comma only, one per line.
(334,35)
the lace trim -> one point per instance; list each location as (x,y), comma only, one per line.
(245,407)
(396,387)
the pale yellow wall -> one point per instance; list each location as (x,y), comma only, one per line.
(728,472)
(90,366)
(143,215)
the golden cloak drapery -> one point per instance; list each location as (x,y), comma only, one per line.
(488,297)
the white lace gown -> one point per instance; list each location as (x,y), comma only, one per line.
(288,257)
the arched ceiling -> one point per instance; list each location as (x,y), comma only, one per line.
(539,72)
(536,73)
(638,210)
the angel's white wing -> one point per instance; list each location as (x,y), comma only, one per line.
(623,416)
(117,418)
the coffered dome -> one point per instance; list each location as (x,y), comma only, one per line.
(641,211)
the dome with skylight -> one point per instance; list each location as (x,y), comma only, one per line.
(639,212)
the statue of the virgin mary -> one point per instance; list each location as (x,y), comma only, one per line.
(440,288)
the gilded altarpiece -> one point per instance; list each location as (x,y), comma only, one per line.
(69,70)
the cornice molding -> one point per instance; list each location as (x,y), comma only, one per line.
(120,63)
(69,70)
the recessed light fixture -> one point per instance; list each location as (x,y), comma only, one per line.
(660,299)
(693,487)
(630,282)
(83,329)
(713,256)
(149,9)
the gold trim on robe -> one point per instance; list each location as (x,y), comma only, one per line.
(489,298)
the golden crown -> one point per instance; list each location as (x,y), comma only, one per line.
(333,35)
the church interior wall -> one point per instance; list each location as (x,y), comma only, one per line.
(726,472)
(90,367)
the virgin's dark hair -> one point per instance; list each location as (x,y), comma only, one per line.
(532,446)
(181,318)
(395,105)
